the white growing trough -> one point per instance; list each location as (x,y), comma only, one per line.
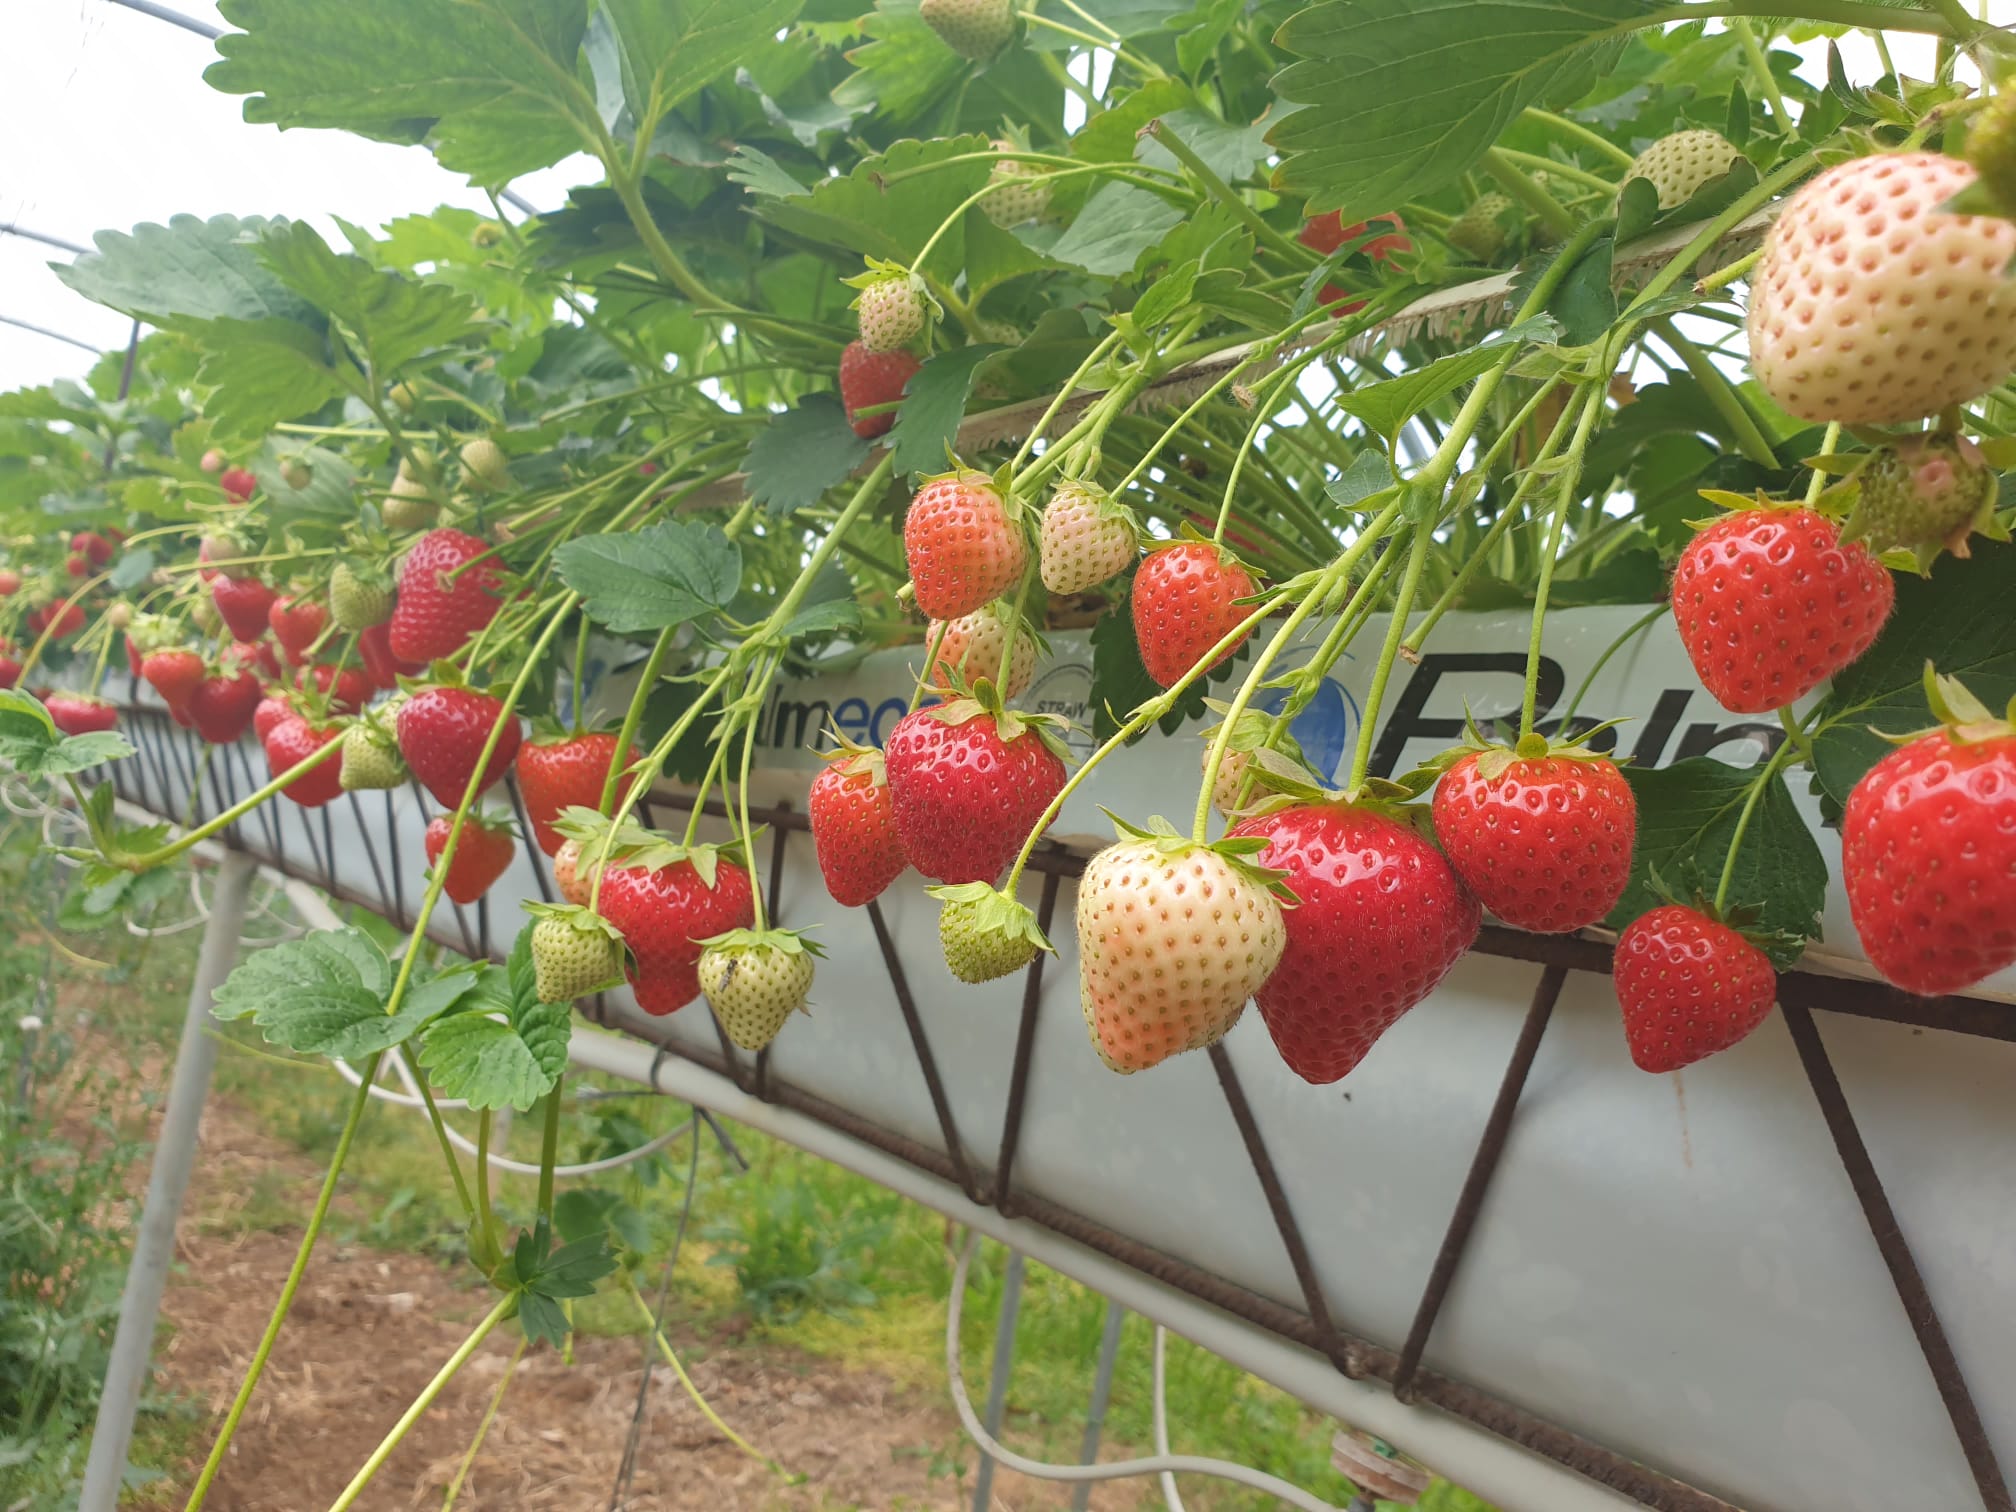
(1671,1295)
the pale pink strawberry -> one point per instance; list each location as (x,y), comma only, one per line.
(972,648)
(1087,537)
(1872,306)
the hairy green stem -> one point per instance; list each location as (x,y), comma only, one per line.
(263,1352)
(1571,477)
(1382,671)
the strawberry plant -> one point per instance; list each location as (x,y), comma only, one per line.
(1204,351)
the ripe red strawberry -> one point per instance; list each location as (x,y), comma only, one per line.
(292,741)
(1544,841)
(664,911)
(238,484)
(96,548)
(10,582)
(271,710)
(1173,937)
(971,649)
(890,307)
(975,29)
(967,783)
(296,622)
(1871,305)
(381,667)
(10,667)
(482,854)
(871,378)
(174,673)
(963,544)
(348,689)
(1087,538)
(1689,986)
(435,615)
(77,565)
(1185,602)
(59,620)
(80,713)
(1928,850)
(442,731)
(1770,604)
(1381,919)
(244,603)
(556,773)
(222,707)
(1325,233)
(854,826)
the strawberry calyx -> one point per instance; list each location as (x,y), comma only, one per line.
(1237,851)
(789,941)
(1001,482)
(574,916)
(854,759)
(994,915)
(1739,918)
(1495,758)
(983,700)
(657,852)
(1104,506)
(1963,718)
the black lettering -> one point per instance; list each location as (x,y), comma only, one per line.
(1660,727)
(1407,722)
(811,720)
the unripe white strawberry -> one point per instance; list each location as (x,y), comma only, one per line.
(1087,538)
(891,310)
(1871,306)
(972,649)
(1479,232)
(486,464)
(408,504)
(755,980)
(370,759)
(1229,783)
(1678,165)
(1173,937)
(1017,191)
(574,954)
(975,29)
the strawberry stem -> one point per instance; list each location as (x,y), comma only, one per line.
(1571,478)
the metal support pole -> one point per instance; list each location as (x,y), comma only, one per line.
(1102,1393)
(1004,1366)
(174,1156)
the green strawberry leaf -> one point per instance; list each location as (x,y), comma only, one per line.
(1958,619)
(1118,223)
(1687,816)
(1404,96)
(325,995)
(934,402)
(652,579)
(189,269)
(803,452)
(501,1047)
(394,318)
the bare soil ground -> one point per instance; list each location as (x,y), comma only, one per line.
(370,1328)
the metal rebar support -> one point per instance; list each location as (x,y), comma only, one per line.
(1004,1366)
(1102,1393)
(174,1157)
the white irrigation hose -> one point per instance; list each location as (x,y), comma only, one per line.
(1185,1464)
(412,1099)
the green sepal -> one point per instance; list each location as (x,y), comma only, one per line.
(786,941)
(577,917)
(1237,850)
(995,912)
(983,700)
(855,759)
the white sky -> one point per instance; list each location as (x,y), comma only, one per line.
(105,121)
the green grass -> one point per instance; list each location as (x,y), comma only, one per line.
(812,1257)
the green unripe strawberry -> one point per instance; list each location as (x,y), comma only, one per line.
(358,601)
(409,505)
(1479,232)
(574,953)
(755,979)
(296,474)
(405,396)
(1991,148)
(486,464)
(1923,492)
(1017,191)
(371,759)
(975,29)
(1680,164)
(890,308)
(985,934)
